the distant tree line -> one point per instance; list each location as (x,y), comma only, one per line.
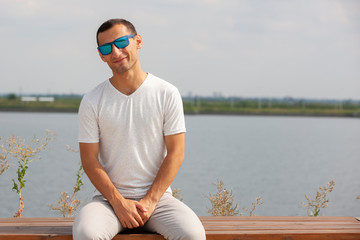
(206,105)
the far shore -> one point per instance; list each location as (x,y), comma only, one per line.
(204,106)
(239,113)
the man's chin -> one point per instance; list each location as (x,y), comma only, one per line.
(123,68)
(120,69)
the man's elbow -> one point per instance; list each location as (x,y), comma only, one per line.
(176,157)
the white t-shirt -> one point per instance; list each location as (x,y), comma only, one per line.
(130,130)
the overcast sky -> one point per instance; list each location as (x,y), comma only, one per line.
(247,48)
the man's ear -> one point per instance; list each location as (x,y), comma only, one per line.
(139,41)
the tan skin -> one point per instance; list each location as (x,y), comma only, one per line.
(127,77)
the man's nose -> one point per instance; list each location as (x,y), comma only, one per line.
(115,50)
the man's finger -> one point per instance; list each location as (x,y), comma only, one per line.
(127,224)
(141,213)
(143,216)
(140,207)
(123,224)
(133,224)
(139,220)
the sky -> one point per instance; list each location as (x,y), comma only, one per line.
(244,48)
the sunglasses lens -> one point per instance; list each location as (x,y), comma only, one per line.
(119,43)
(122,43)
(105,49)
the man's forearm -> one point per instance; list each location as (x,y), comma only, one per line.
(165,176)
(175,146)
(100,179)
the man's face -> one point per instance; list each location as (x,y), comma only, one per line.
(120,60)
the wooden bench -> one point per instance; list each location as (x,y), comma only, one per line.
(217,228)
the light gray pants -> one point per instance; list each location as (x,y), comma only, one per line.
(171,218)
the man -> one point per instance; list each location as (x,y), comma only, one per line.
(131,136)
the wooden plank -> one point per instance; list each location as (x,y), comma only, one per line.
(206,220)
(254,223)
(143,236)
(270,228)
(293,226)
(69,237)
(337,236)
(46,219)
(284,237)
(37,237)
(276,218)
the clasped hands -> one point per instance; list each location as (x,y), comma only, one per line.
(134,214)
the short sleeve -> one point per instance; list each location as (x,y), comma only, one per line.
(88,124)
(174,121)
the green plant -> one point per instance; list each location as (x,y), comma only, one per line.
(16,147)
(313,206)
(67,204)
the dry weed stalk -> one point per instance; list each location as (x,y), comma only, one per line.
(17,148)
(176,194)
(254,206)
(67,205)
(222,202)
(320,201)
(4,165)
(71,149)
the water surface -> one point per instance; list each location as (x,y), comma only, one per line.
(277,158)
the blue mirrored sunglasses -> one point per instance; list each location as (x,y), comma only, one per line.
(122,42)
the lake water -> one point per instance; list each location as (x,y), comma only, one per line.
(277,158)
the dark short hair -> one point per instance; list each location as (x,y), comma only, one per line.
(111,22)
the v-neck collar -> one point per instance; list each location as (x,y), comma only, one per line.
(132,94)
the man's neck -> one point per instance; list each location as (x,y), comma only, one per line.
(129,81)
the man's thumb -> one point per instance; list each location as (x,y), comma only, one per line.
(141,207)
